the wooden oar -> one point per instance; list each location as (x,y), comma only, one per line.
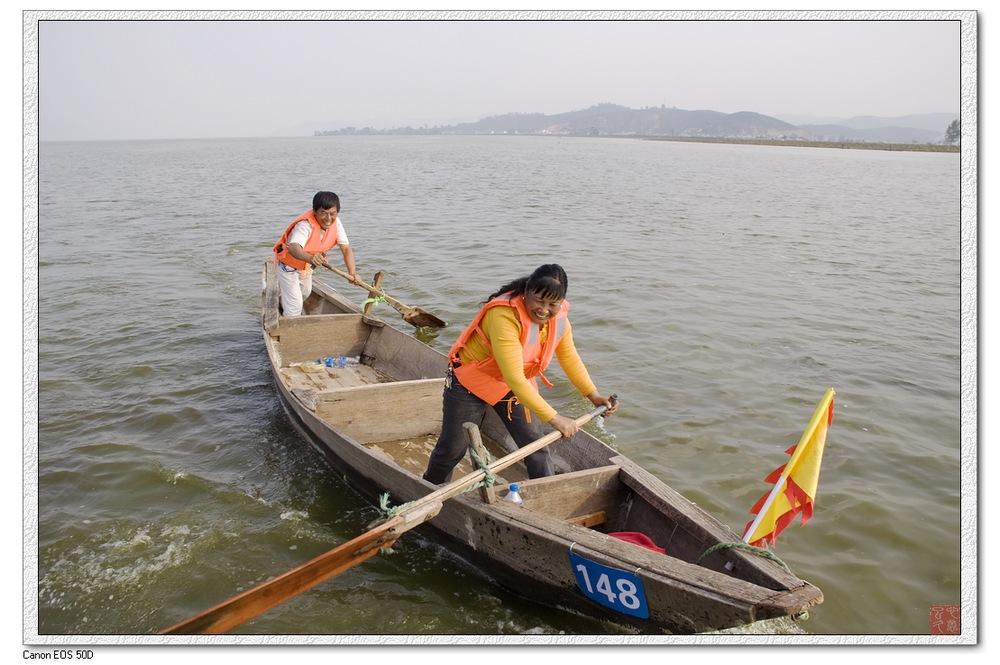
(253,602)
(412,315)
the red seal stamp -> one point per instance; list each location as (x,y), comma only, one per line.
(945,620)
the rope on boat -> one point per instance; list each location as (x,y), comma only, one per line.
(389,511)
(376,300)
(484,466)
(759,551)
(490,478)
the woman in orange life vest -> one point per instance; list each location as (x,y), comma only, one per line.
(495,363)
(304,244)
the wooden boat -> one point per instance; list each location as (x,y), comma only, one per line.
(377,417)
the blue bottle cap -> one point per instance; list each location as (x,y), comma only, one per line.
(513,488)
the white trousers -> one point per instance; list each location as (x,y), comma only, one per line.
(296,285)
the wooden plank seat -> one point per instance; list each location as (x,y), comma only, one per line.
(590,520)
(332,334)
(588,498)
(372,412)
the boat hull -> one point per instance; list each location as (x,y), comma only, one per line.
(556,548)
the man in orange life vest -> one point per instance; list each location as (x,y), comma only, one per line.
(304,244)
(495,363)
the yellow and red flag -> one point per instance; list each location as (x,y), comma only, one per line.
(795,482)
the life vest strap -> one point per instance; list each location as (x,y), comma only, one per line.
(513,401)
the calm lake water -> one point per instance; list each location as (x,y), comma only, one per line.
(719,290)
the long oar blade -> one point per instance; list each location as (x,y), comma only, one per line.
(415,316)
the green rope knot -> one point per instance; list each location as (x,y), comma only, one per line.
(759,551)
(484,466)
(388,511)
(374,301)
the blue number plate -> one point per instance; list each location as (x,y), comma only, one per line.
(618,589)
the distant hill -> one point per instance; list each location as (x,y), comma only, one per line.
(887,134)
(924,128)
(615,120)
(928,121)
(611,119)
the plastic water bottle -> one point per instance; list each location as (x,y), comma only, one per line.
(514,496)
(342,363)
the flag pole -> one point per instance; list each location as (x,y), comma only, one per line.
(779,485)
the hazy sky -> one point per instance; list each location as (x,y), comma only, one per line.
(131,79)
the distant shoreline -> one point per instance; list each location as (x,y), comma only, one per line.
(850,145)
(795,143)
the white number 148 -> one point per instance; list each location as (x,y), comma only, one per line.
(626,590)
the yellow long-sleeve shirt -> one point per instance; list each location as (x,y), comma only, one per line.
(502,327)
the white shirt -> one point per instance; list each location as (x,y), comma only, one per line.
(300,233)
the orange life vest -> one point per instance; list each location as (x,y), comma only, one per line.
(316,244)
(483,378)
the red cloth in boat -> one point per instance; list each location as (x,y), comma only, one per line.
(637,538)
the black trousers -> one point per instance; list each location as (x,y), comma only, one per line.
(459,407)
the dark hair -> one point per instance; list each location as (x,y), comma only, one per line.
(325,201)
(548,281)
